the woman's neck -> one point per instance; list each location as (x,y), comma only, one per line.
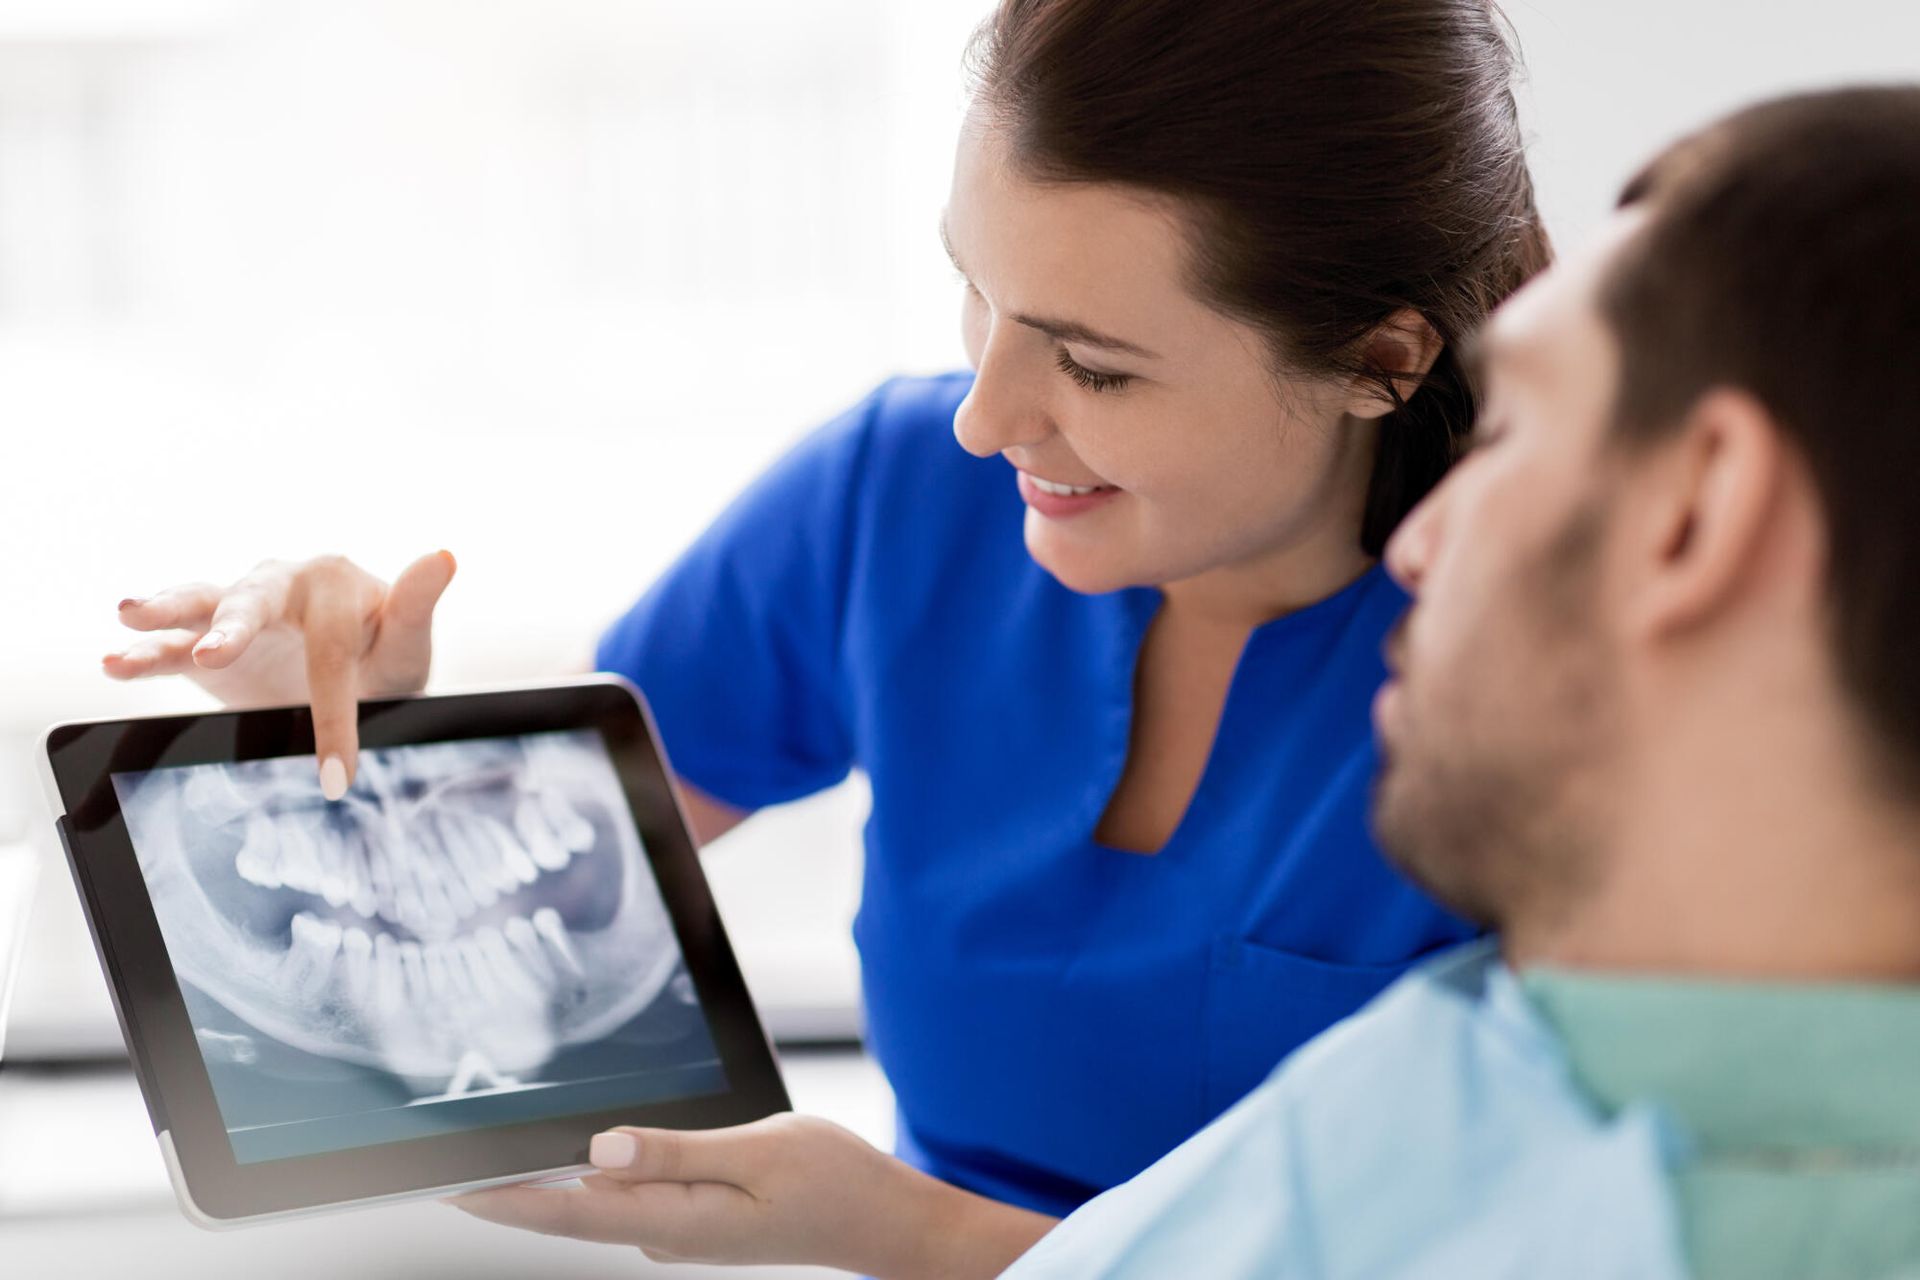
(1251,592)
(1320,555)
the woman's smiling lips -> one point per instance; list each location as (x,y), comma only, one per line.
(1057,501)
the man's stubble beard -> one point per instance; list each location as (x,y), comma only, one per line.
(1491,798)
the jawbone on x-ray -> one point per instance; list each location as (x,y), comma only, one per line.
(466,911)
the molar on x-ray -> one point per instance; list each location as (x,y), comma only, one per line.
(465,912)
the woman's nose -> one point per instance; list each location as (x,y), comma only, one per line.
(1005,408)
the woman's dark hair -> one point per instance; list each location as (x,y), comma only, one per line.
(1342,160)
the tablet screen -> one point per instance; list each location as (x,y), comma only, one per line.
(472,936)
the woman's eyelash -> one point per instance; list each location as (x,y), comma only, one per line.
(1088,378)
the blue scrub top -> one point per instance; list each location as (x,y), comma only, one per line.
(1054,1015)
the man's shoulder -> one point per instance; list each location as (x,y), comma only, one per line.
(1446,1114)
(1446,999)
(1434,1133)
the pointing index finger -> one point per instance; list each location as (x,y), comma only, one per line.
(333,617)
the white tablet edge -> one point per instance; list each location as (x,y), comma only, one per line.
(178,1176)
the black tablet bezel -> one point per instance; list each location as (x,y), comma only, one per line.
(159,1032)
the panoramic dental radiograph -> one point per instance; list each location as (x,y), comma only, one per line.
(468,913)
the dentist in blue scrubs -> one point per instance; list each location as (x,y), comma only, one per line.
(1100,619)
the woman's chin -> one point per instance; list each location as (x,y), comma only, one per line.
(1078,568)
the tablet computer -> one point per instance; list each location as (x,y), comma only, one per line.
(498,943)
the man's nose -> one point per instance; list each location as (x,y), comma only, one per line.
(1410,550)
(1006,406)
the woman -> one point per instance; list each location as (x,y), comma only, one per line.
(1215,254)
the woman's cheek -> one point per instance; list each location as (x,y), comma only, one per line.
(1122,449)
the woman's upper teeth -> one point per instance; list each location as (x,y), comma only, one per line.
(1063,490)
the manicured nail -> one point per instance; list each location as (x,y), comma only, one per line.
(211,641)
(613,1150)
(133,602)
(333,778)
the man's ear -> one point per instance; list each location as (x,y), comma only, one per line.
(1712,497)
(1405,345)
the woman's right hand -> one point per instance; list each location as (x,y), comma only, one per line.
(323,630)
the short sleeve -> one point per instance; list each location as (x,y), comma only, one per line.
(738,647)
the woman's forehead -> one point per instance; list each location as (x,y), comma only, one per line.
(1113,258)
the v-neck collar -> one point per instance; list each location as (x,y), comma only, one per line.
(1137,608)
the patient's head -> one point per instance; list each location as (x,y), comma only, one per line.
(1663,646)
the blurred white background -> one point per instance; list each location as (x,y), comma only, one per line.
(543,282)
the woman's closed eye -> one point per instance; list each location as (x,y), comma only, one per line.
(1091,379)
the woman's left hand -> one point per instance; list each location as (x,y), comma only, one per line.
(788,1189)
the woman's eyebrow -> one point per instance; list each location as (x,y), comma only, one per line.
(1068,331)
(1058,330)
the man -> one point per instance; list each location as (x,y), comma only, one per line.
(1657,720)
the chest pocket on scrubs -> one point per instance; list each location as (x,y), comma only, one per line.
(1263,1003)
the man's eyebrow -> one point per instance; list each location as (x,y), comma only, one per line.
(1058,330)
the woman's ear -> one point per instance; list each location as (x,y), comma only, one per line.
(1405,344)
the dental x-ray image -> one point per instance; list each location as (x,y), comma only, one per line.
(471,936)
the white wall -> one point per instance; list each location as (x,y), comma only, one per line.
(1610,81)
(543,282)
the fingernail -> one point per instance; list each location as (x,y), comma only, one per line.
(133,602)
(211,641)
(613,1150)
(333,778)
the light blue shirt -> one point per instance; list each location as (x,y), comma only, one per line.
(1438,1133)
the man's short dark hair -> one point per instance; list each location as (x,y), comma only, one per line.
(1782,257)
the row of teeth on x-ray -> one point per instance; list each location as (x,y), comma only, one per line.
(427,875)
(526,957)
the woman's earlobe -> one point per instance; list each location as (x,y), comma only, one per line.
(1404,347)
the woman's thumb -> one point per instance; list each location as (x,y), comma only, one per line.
(413,595)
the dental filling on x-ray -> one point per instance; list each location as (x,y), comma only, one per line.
(471,937)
